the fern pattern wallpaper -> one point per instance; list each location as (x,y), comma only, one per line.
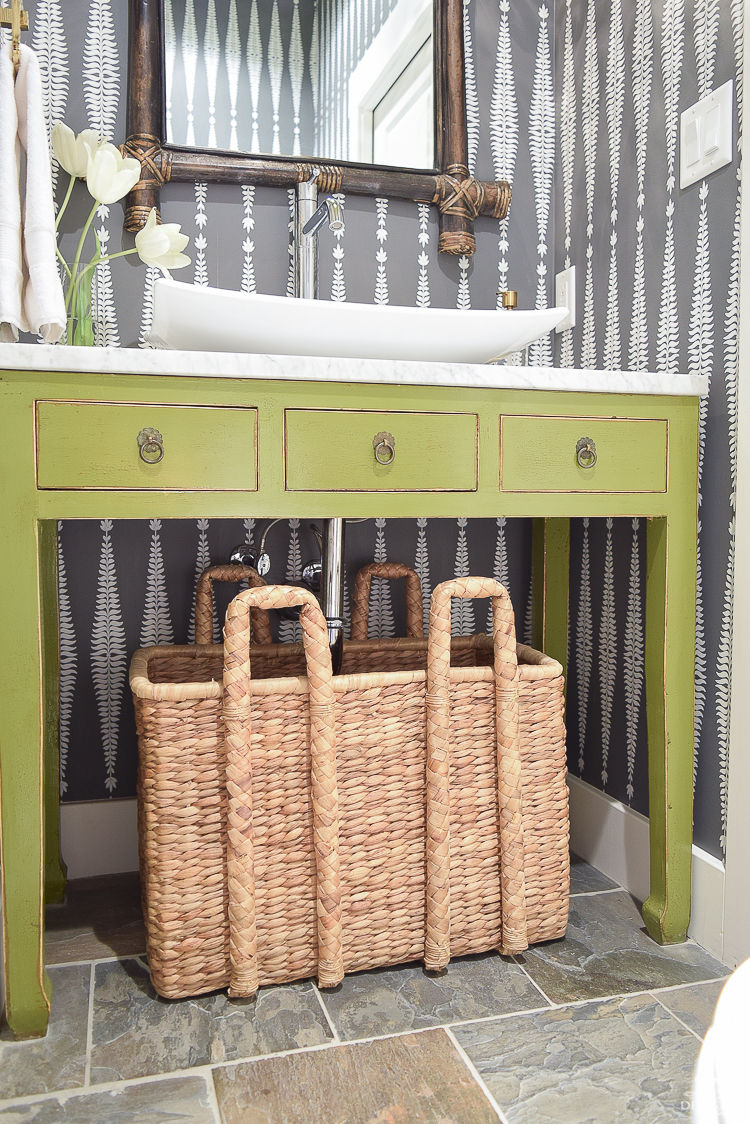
(577,103)
(659,272)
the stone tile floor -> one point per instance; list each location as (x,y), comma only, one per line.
(602,1027)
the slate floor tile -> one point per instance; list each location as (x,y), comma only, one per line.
(181,1100)
(57,1061)
(100,917)
(389,1000)
(606,951)
(136,1034)
(412,1079)
(586,879)
(620,1061)
(694,1005)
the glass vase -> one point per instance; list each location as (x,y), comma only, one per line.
(80,330)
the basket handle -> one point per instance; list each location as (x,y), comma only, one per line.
(238,727)
(514,939)
(204,602)
(361,598)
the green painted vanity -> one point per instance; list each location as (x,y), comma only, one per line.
(282,436)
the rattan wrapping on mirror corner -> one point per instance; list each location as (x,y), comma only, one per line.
(392,901)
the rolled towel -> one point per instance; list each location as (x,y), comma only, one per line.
(720,1082)
(43,301)
(12,319)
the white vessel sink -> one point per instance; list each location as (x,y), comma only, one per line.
(199,318)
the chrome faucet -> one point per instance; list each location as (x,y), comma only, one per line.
(309,218)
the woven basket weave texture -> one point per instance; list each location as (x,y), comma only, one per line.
(380,781)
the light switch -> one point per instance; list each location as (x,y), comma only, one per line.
(565,296)
(713,131)
(693,142)
(706,136)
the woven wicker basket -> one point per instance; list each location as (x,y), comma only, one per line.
(361,597)
(493,874)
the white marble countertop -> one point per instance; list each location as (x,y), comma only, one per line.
(208,364)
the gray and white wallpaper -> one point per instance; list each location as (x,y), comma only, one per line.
(659,270)
(241,76)
(577,103)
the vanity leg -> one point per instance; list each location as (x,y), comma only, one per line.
(669,668)
(551,565)
(54,867)
(27,986)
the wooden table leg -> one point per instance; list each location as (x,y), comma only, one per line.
(27,987)
(54,867)
(669,666)
(551,564)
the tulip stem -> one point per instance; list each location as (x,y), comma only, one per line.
(63,262)
(119,254)
(65,201)
(74,269)
(87,271)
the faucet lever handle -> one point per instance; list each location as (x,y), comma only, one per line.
(314,224)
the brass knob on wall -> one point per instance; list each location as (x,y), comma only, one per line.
(384,445)
(586,452)
(150,446)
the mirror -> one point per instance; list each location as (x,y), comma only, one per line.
(369,92)
(345,80)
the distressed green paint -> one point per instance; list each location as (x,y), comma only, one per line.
(556,575)
(21,757)
(539,454)
(333,451)
(670,660)
(29,627)
(81,445)
(54,868)
(670,698)
(550,565)
(537,584)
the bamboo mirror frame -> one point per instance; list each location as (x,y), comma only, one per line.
(457,195)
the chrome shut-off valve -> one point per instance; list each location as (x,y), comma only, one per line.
(259,559)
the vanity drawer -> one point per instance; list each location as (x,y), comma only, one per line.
(94,445)
(542,454)
(333,451)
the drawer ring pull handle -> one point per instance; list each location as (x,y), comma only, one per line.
(586,452)
(384,445)
(150,446)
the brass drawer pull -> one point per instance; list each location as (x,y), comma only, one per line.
(150,446)
(586,453)
(384,445)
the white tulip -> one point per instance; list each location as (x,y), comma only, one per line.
(110,176)
(160,244)
(73,152)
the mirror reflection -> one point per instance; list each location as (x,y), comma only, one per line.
(332,79)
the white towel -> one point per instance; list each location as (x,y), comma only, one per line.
(12,319)
(43,301)
(720,1080)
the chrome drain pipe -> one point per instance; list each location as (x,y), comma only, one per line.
(332,588)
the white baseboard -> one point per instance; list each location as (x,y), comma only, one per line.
(614,839)
(102,838)
(99,837)
(610,836)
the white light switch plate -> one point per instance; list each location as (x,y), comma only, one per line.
(706,136)
(565,296)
